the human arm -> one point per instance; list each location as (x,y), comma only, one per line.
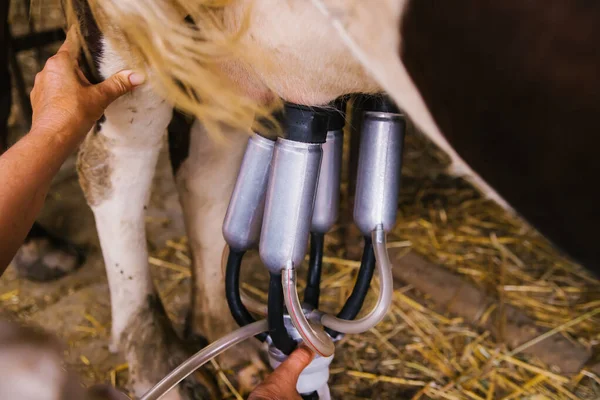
(65,107)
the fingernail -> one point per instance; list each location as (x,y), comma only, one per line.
(136,78)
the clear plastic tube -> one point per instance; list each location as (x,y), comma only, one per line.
(384,268)
(202,357)
(317,340)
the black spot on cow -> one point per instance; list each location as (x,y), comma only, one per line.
(98,125)
(179,139)
(93,41)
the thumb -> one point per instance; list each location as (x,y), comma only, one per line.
(118,84)
(289,370)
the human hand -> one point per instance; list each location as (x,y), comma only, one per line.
(281,384)
(65,102)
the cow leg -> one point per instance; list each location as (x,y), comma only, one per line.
(116,165)
(205,178)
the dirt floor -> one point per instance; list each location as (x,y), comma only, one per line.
(419,350)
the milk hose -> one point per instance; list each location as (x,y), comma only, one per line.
(202,357)
(384,269)
(355,302)
(318,340)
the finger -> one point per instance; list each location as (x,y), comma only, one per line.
(71,44)
(82,77)
(290,369)
(117,85)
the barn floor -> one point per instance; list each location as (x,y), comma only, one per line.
(418,351)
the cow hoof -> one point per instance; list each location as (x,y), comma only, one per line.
(153,350)
(44,259)
(246,365)
(247,377)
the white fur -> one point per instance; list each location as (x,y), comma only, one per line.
(135,139)
(206,181)
(135,126)
(121,229)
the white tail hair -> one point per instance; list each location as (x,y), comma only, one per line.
(185,62)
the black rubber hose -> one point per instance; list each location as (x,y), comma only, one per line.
(310,396)
(315,265)
(361,286)
(277,330)
(232,291)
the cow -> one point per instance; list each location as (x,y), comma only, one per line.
(509,90)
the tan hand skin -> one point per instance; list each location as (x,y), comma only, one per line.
(281,384)
(65,107)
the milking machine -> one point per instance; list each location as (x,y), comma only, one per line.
(285,200)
